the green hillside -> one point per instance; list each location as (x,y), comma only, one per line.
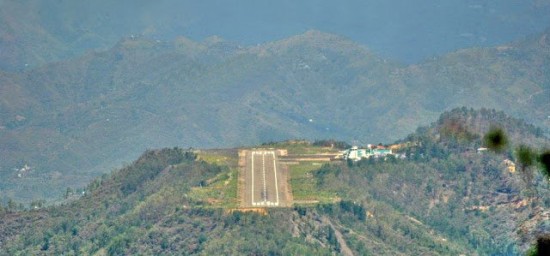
(149,208)
(74,120)
(444,198)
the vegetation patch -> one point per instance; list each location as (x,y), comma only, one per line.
(301,147)
(226,157)
(304,184)
(220,191)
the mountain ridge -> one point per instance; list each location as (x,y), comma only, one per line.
(96,111)
(33,33)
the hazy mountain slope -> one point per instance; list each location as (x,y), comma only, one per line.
(81,117)
(35,32)
(513,77)
(108,106)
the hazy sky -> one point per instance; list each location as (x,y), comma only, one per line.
(404,29)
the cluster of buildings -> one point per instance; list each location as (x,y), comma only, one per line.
(356,154)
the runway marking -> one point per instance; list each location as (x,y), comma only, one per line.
(252,171)
(276,183)
(264,197)
(263,171)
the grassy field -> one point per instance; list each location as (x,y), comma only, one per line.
(304,185)
(301,147)
(225,157)
(220,191)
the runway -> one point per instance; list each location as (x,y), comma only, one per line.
(264,180)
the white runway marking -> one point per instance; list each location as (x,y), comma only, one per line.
(264,196)
(276,183)
(263,172)
(252,171)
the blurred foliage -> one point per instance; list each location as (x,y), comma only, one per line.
(542,247)
(544,160)
(496,140)
(526,156)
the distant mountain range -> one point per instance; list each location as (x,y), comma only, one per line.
(37,32)
(75,119)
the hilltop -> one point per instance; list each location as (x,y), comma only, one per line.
(443,198)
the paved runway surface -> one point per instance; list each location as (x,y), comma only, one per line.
(264,180)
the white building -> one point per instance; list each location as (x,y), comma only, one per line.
(357,154)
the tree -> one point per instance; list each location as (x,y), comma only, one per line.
(12,205)
(526,158)
(68,193)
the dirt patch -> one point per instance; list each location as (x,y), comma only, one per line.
(241,177)
(261,211)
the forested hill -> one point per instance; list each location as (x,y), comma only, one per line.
(464,129)
(71,121)
(443,198)
(149,208)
